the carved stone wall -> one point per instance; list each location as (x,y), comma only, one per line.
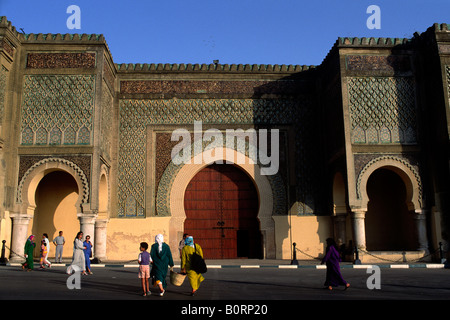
(61,60)
(382,110)
(106,121)
(135,115)
(57,109)
(447,68)
(3,76)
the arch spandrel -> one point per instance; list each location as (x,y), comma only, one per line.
(404,169)
(30,180)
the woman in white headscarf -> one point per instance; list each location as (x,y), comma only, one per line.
(162,259)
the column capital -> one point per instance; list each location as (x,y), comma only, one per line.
(421,211)
(20,218)
(339,210)
(358,213)
(86,218)
(101,223)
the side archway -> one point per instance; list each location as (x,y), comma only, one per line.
(405,200)
(26,196)
(407,173)
(32,177)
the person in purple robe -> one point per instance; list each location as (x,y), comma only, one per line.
(332,258)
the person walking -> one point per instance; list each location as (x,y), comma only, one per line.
(44,253)
(87,253)
(28,251)
(162,258)
(332,258)
(144,261)
(59,242)
(47,246)
(78,255)
(188,250)
(181,244)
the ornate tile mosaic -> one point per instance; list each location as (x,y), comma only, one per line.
(58,109)
(107,120)
(382,110)
(135,115)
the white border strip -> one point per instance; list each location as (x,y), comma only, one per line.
(249,266)
(435,266)
(287,267)
(399,266)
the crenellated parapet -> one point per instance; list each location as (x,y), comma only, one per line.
(213,67)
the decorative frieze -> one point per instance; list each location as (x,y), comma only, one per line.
(377,63)
(54,60)
(7,47)
(287,87)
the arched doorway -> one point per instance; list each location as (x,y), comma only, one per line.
(56,196)
(389,224)
(221,205)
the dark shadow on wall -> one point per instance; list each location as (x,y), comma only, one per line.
(291,104)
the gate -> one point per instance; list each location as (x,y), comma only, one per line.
(221,205)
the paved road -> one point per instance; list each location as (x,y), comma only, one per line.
(241,286)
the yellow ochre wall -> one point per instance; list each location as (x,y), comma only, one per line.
(308,232)
(125,235)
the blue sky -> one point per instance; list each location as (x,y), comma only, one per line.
(231,31)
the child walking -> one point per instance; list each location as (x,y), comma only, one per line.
(144,261)
(44,251)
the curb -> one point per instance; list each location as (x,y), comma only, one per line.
(355,266)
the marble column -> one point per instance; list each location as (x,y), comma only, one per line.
(421,228)
(19,236)
(100,239)
(339,229)
(87,226)
(359,231)
(339,219)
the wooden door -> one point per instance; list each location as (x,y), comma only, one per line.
(221,204)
